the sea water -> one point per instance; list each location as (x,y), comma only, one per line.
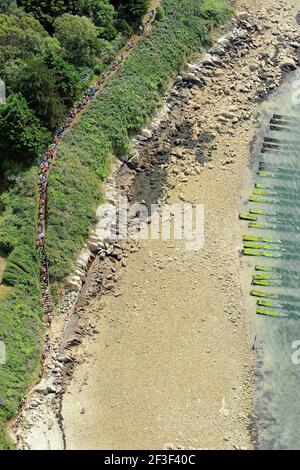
(277,340)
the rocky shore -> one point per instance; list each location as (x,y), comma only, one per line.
(162,303)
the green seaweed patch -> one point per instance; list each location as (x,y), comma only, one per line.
(251,217)
(270,313)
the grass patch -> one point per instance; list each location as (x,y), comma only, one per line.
(21,324)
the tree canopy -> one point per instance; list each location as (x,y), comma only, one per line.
(101,12)
(38,85)
(9,7)
(20,37)
(21,134)
(46,11)
(132,9)
(79,36)
(49,50)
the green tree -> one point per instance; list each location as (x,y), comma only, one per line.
(10,7)
(47,10)
(68,81)
(79,36)
(101,12)
(20,38)
(38,85)
(21,135)
(132,9)
(137,8)
(160,13)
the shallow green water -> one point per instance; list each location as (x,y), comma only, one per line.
(277,402)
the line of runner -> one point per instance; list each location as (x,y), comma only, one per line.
(49,158)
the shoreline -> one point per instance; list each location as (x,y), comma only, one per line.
(212,185)
(277,424)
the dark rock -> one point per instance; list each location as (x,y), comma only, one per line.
(64,358)
(133,162)
(191,78)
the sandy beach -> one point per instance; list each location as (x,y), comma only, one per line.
(171,363)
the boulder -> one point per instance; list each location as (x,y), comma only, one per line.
(64,358)
(134,161)
(80,273)
(42,387)
(83,259)
(191,78)
(208,61)
(217,50)
(93,246)
(147,134)
(288,64)
(74,283)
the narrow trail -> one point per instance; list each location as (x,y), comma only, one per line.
(51,155)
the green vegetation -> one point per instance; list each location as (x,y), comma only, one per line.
(21,324)
(31,63)
(101,12)
(105,127)
(270,313)
(49,52)
(248,217)
(160,13)
(24,135)
(84,159)
(79,36)
(131,9)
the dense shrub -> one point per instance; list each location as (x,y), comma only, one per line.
(20,38)
(50,49)
(31,63)
(46,12)
(21,134)
(160,13)
(131,9)
(21,323)
(10,7)
(79,37)
(101,12)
